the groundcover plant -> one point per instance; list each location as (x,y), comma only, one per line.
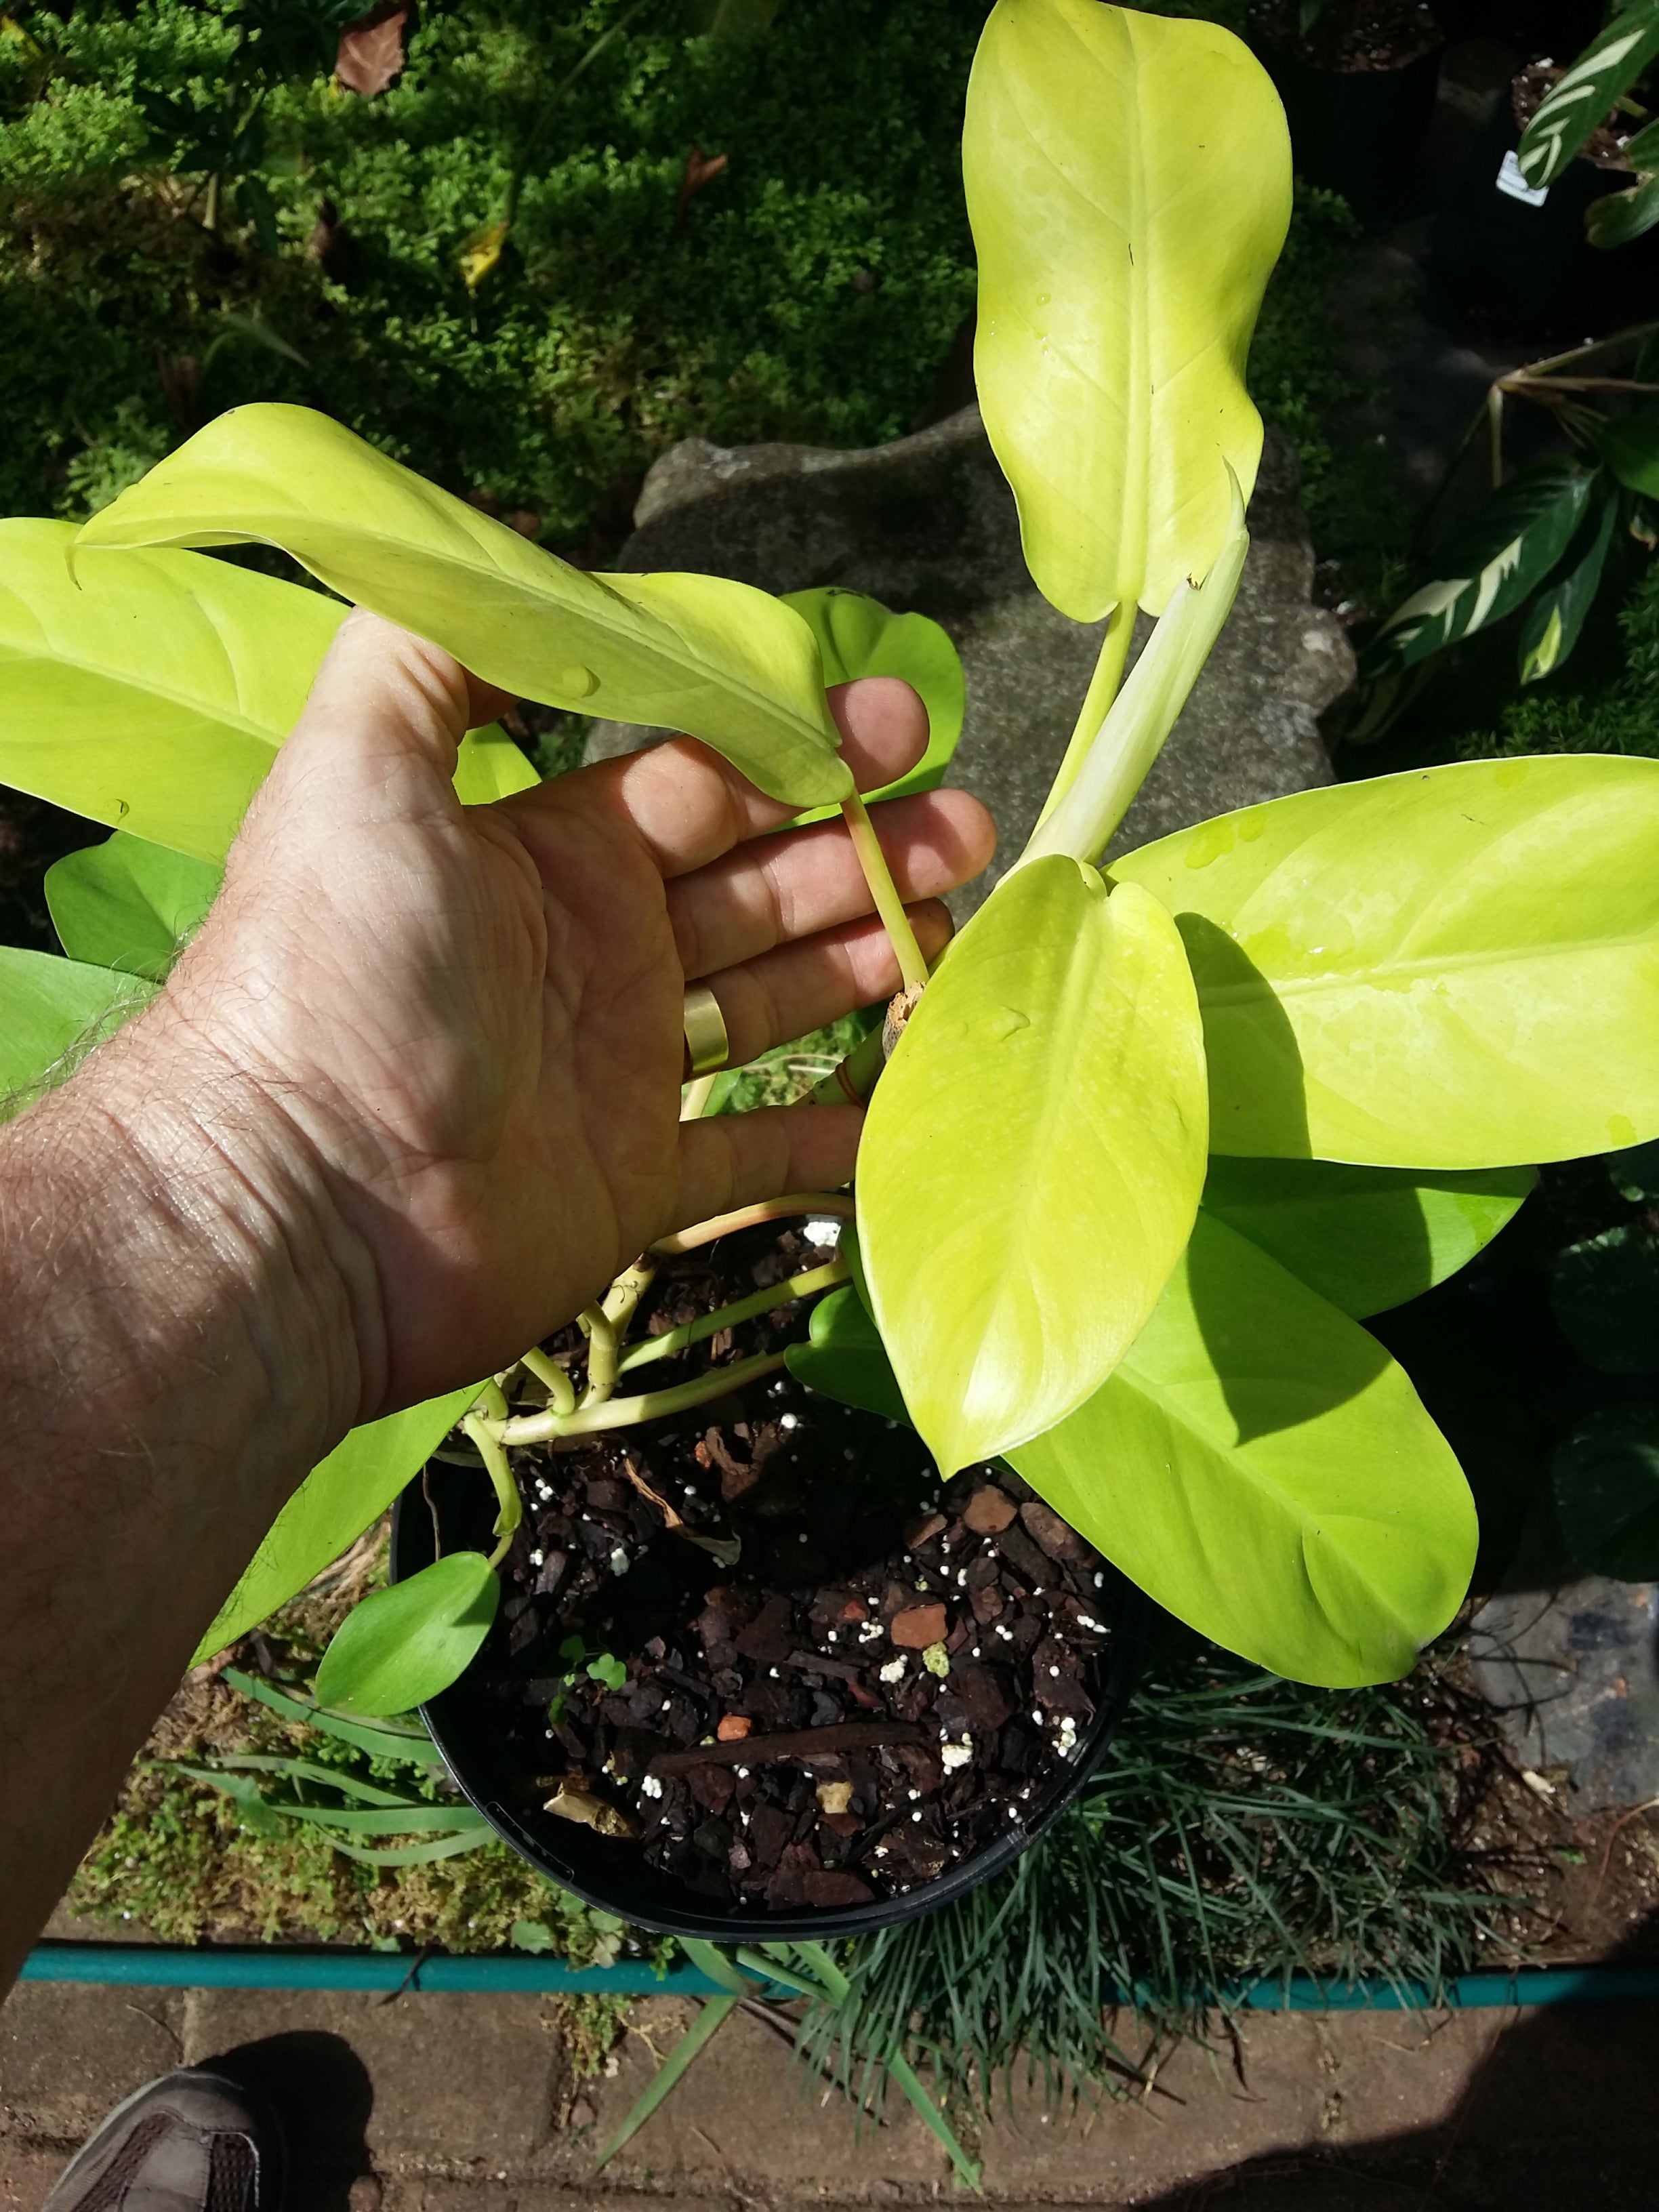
(1153,1140)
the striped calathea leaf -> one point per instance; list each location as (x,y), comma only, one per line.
(1579,100)
(1617,217)
(1556,616)
(1489,566)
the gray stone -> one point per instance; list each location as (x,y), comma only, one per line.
(1571,1674)
(928,524)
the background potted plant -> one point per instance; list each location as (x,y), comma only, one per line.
(1150,1140)
(1358,79)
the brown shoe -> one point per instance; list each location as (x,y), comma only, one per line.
(192,2142)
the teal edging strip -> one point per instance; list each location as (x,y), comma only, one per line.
(156,1966)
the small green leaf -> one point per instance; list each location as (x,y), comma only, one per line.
(858,636)
(1606,1478)
(609,1670)
(530,1936)
(127,904)
(51,1007)
(150,692)
(1556,616)
(1384,977)
(1128,184)
(1630,446)
(845,1357)
(701,653)
(1635,1173)
(1031,1161)
(1263,1469)
(337,1500)
(1579,100)
(490,767)
(399,1647)
(1366,1238)
(1605,1293)
(1617,217)
(1486,568)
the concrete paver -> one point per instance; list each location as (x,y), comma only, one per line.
(449,2104)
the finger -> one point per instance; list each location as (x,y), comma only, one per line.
(689,805)
(801,987)
(773,889)
(741,1159)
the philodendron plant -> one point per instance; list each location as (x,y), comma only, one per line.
(1154,1139)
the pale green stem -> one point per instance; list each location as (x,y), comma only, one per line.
(511,1513)
(627,1412)
(834,1205)
(851,1082)
(673,1341)
(601,1336)
(884,892)
(695,1097)
(1097,701)
(491,1403)
(620,1301)
(560,1390)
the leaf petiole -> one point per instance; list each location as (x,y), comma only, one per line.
(488,1440)
(807,1285)
(627,1412)
(884,890)
(1096,703)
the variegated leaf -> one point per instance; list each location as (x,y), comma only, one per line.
(1488,567)
(1571,110)
(1557,616)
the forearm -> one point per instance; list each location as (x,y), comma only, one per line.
(181,1318)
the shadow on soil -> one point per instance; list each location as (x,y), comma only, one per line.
(320,2091)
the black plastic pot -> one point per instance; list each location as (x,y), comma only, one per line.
(611,1874)
(1499,265)
(1358,132)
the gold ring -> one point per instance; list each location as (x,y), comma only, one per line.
(707,1044)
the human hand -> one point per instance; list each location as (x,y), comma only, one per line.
(471,1019)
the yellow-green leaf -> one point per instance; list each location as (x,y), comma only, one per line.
(1456,967)
(727,663)
(1261,1468)
(150,692)
(129,904)
(50,1007)
(1128,182)
(337,1500)
(1032,1158)
(1365,1238)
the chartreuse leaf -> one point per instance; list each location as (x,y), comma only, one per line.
(1128,182)
(400,1646)
(48,1006)
(1365,1238)
(490,766)
(845,1359)
(1455,967)
(332,1508)
(1261,1468)
(692,653)
(1032,1158)
(1607,1492)
(128,904)
(858,636)
(1485,569)
(153,693)
(1581,96)
(1556,616)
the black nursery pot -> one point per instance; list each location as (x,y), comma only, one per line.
(1358,132)
(612,1872)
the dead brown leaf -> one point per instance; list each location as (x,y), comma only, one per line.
(701,169)
(371,52)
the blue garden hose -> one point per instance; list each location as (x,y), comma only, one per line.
(268,1967)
